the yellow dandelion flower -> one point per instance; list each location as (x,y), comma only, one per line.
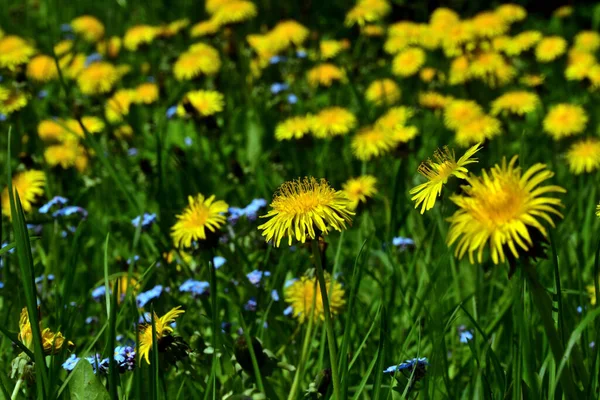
(14,51)
(30,186)
(372,30)
(146,93)
(408,62)
(372,142)
(511,13)
(294,128)
(99,77)
(162,328)
(404,134)
(212,6)
(50,130)
(550,48)
(565,120)
(234,12)
(394,118)
(331,48)
(92,125)
(427,74)
(201,213)
(588,41)
(456,37)
(124,132)
(204,28)
(519,102)
(459,70)
(51,342)
(333,121)
(110,47)
(563,12)
(395,44)
(460,112)
(73,65)
(500,209)
(478,130)
(591,289)
(579,64)
(367,11)
(42,68)
(12,100)
(584,156)
(359,189)
(532,80)
(288,32)
(594,76)
(438,171)
(63,47)
(199,59)
(488,24)
(173,28)
(434,100)
(301,293)
(443,18)
(491,68)
(325,75)
(117,107)
(303,209)
(88,27)
(383,92)
(521,42)
(140,35)
(67,155)
(203,102)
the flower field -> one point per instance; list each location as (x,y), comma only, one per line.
(235,199)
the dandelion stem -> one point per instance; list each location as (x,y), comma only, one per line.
(328,320)
(305,346)
(17,389)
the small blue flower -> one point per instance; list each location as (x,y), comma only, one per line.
(292,98)
(407,365)
(40,278)
(42,94)
(274,295)
(402,242)
(99,293)
(256,276)
(1,285)
(66,28)
(145,318)
(3,117)
(289,282)
(197,288)
(70,363)
(91,320)
(70,210)
(277,59)
(219,261)
(288,311)
(188,141)
(250,211)
(99,365)
(132,152)
(251,305)
(465,336)
(56,200)
(147,220)
(301,54)
(149,295)
(92,58)
(171,111)
(277,88)
(124,356)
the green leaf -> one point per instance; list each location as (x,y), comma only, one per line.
(85,385)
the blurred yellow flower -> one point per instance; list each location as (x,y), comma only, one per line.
(331,48)
(550,48)
(359,189)
(383,92)
(408,62)
(587,41)
(97,78)
(579,64)
(511,12)
(294,128)
(199,59)
(563,12)
(146,93)
(565,120)
(434,100)
(12,100)
(394,117)
(204,28)
(235,11)
(305,209)
(584,156)
(42,68)
(14,51)
(301,293)
(287,33)
(460,112)
(30,186)
(203,102)
(367,11)
(372,142)
(333,121)
(110,47)
(68,154)
(89,27)
(140,35)
(488,24)
(519,102)
(325,74)
(117,107)
(478,130)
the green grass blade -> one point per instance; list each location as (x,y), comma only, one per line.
(380,354)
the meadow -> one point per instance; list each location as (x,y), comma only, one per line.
(238,199)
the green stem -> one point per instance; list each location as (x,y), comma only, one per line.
(328,321)
(307,339)
(15,392)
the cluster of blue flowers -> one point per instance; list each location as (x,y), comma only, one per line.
(197,288)
(124,357)
(59,201)
(146,220)
(256,276)
(149,295)
(250,211)
(407,365)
